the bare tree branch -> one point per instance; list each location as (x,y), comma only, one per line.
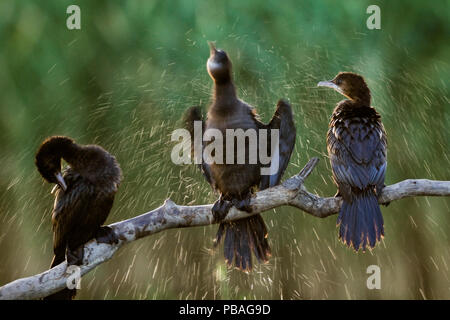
(170,215)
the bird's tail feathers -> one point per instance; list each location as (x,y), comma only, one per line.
(242,237)
(361,222)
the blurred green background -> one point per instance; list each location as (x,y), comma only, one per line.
(124,80)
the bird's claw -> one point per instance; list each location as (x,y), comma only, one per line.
(75,257)
(242,205)
(107,235)
(220,209)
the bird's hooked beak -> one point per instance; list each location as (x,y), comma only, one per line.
(330,84)
(60,181)
(212,48)
(212,64)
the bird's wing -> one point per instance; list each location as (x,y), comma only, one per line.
(283,121)
(191,115)
(78,212)
(357,149)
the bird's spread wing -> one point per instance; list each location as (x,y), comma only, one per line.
(191,115)
(283,121)
(357,149)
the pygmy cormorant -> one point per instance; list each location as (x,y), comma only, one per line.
(235,182)
(356,143)
(84,196)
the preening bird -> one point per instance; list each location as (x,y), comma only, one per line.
(84,194)
(356,143)
(236,181)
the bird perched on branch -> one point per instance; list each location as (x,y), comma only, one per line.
(235,181)
(84,194)
(356,143)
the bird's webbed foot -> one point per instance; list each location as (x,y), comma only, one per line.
(107,235)
(220,208)
(75,257)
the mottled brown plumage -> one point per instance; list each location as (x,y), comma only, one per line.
(236,182)
(84,197)
(356,143)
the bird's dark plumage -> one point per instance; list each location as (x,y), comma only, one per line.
(235,182)
(84,197)
(356,143)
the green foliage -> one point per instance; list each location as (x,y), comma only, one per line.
(124,80)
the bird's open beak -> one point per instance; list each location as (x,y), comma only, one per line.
(212,48)
(61,181)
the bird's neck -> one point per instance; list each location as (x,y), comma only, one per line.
(93,163)
(224,96)
(363,99)
(70,154)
